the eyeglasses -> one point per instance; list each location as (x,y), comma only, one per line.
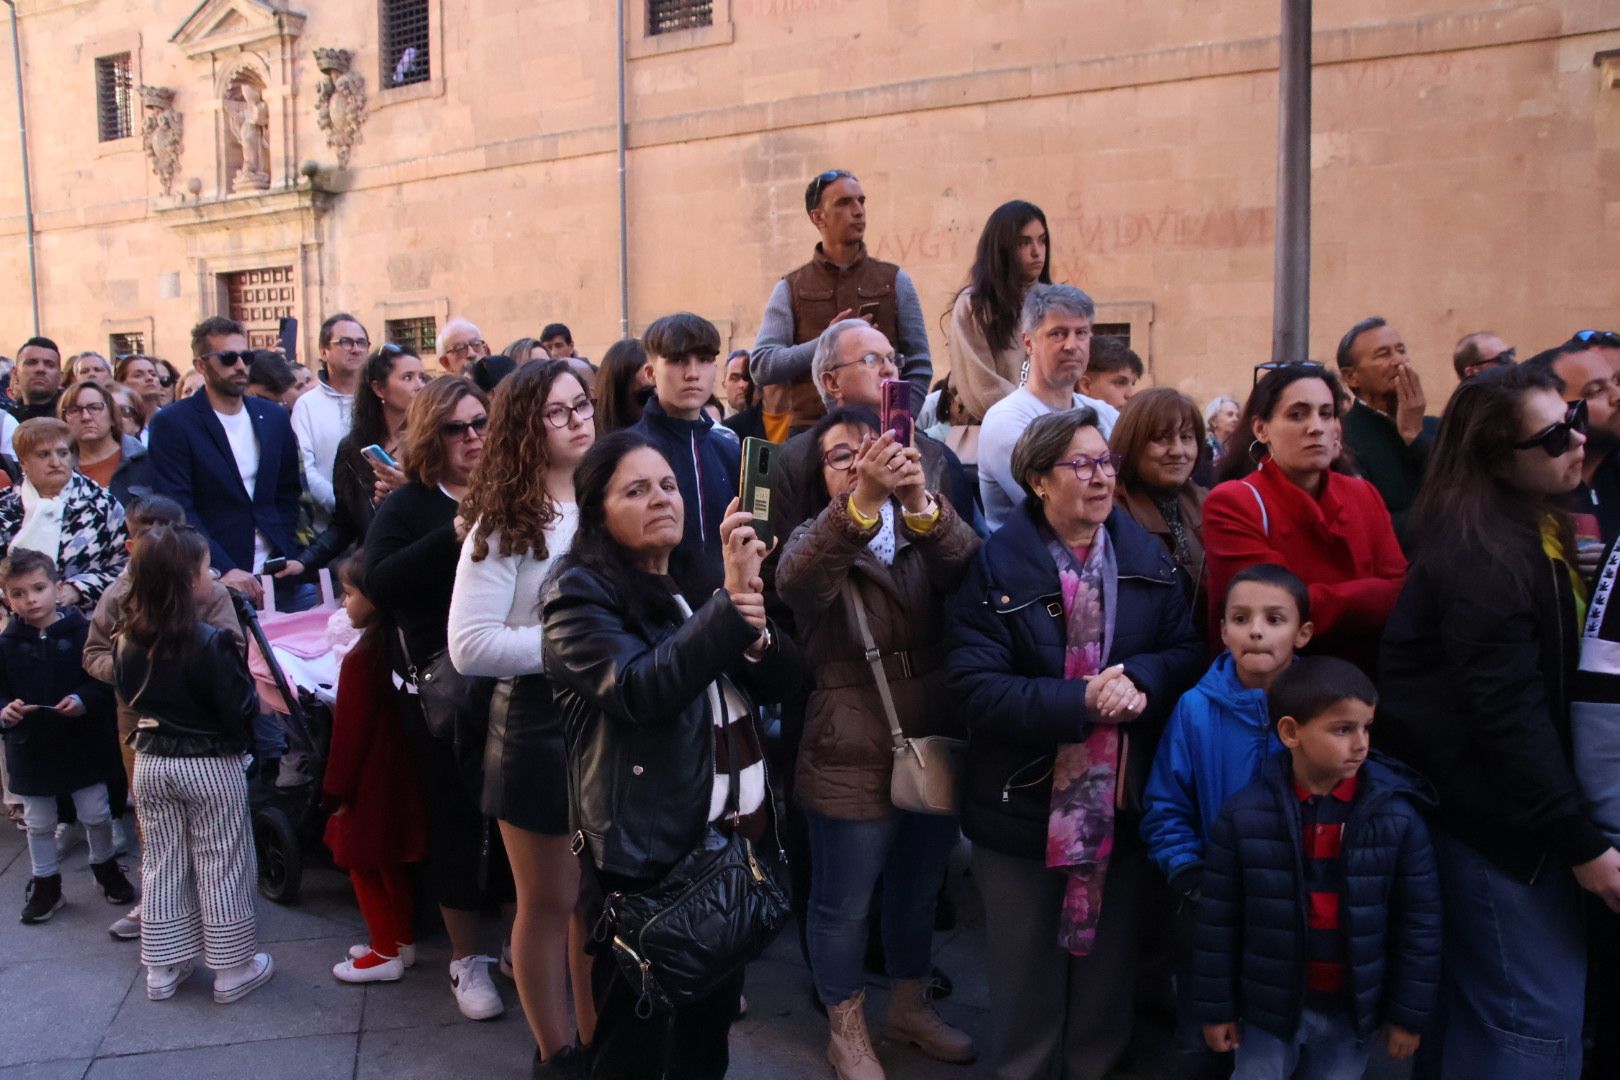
(557,415)
(352,342)
(819,184)
(1087,467)
(1555,439)
(457,429)
(839,457)
(1280,365)
(90,409)
(230,358)
(1606,339)
(871,360)
(478,345)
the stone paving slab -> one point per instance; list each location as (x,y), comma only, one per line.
(317,1057)
(48,1070)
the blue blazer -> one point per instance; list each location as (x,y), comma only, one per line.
(192,464)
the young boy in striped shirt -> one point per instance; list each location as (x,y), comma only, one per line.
(1320,917)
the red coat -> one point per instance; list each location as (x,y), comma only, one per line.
(370,772)
(1341,544)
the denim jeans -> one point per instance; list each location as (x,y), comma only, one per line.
(1324,1047)
(1513,988)
(910,852)
(40,817)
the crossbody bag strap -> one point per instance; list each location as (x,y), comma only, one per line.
(1265,518)
(875,660)
(410,665)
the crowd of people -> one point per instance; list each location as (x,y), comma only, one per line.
(1129,647)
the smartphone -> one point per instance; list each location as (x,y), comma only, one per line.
(378,456)
(275,565)
(287,331)
(868,312)
(759,457)
(894,409)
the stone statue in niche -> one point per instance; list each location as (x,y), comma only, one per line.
(161,133)
(248,118)
(340,102)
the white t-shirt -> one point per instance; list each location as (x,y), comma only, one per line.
(1004,422)
(245,448)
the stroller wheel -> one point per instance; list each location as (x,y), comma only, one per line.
(281,860)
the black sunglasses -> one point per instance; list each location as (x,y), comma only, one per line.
(166,381)
(1555,439)
(231,358)
(455,429)
(1606,339)
(819,185)
(1281,365)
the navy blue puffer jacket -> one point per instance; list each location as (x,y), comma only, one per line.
(1251,952)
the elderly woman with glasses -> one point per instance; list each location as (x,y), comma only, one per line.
(64,514)
(1071,642)
(114,460)
(411,553)
(1284,500)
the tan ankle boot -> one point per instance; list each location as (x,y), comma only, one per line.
(912,1019)
(849,1047)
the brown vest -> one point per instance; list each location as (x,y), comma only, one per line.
(819,290)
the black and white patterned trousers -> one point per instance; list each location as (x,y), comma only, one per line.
(198,866)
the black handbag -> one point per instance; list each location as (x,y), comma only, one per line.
(712,912)
(456,706)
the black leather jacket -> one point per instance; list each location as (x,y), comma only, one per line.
(641,740)
(201,705)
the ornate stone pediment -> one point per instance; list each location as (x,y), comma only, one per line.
(220,25)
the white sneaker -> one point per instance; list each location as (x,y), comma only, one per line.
(474,989)
(234,984)
(407,953)
(69,835)
(387,971)
(162,980)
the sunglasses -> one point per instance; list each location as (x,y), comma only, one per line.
(1555,439)
(457,429)
(819,184)
(230,358)
(166,381)
(1607,339)
(1282,365)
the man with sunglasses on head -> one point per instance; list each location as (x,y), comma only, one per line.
(231,462)
(320,418)
(1386,428)
(841,281)
(1479,352)
(1589,377)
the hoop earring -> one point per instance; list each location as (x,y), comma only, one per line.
(1258,459)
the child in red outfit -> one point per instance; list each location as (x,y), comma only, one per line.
(377,824)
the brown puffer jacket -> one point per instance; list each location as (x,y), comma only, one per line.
(846,756)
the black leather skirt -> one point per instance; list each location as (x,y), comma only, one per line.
(525,760)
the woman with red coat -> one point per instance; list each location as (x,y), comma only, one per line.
(377,824)
(1283,502)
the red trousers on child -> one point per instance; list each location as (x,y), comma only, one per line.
(385,903)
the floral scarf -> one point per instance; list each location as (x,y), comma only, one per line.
(1080,829)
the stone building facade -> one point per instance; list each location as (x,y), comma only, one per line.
(410,160)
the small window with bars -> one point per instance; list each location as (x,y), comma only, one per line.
(115,97)
(1119,331)
(668,16)
(404,37)
(122,345)
(418,335)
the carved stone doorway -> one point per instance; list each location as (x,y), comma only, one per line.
(259,300)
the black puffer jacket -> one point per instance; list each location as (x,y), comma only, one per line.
(48,753)
(1251,954)
(201,705)
(636,712)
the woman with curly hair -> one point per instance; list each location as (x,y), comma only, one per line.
(519,516)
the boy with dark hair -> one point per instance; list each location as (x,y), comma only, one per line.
(706,457)
(57,724)
(1320,915)
(1112,373)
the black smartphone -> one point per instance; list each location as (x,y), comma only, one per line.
(894,409)
(759,457)
(868,311)
(275,565)
(288,333)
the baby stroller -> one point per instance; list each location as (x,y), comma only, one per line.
(284,795)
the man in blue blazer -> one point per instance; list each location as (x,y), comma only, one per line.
(230,461)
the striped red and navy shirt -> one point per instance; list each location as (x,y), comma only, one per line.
(1322,819)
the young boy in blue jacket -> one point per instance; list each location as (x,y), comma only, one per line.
(1320,916)
(1211,749)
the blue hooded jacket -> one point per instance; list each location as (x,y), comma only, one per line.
(1212,748)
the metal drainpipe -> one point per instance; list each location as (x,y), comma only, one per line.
(1291,303)
(28,193)
(624,213)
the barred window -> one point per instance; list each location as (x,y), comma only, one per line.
(1119,331)
(404,37)
(418,335)
(668,16)
(122,345)
(115,97)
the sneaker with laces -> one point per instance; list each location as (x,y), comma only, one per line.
(407,953)
(236,983)
(128,926)
(475,991)
(162,980)
(114,885)
(42,898)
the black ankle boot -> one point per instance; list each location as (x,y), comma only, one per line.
(566,1064)
(42,899)
(110,876)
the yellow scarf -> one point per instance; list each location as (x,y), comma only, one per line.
(1553,546)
